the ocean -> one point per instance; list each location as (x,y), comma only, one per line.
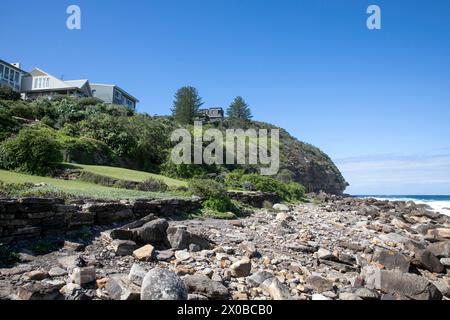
(439,204)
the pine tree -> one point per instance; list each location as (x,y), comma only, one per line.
(186,105)
(239,109)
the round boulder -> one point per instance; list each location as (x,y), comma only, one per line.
(161,284)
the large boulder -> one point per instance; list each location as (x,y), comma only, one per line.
(391,260)
(161,284)
(404,284)
(201,284)
(180,239)
(121,288)
(154,232)
(440,249)
(424,259)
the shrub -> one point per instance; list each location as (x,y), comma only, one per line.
(296,191)
(7,93)
(33,150)
(208,189)
(8,124)
(87,151)
(267,184)
(233,179)
(222,204)
(153,185)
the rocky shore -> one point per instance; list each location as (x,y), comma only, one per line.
(330,248)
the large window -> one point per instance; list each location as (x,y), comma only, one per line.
(41,83)
(2,68)
(6,73)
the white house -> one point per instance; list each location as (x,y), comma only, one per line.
(11,75)
(38,83)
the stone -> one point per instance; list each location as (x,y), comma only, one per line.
(366,294)
(101,283)
(405,284)
(439,233)
(319,297)
(71,262)
(445,262)
(137,274)
(394,238)
(241,268)
(201,284)
(164,255)
(180,239)
(37,275)
(284,217)
(144,253)
(319,284)
(70,289)
(124,247)
(121,288)
(325,254)
(183,255)
(57,272)
(194,247)
(153,232)
(259,277)
(348,296)
(83,276)
(73,246)
(161,284)
(440,249)
(121,234)
(424,259)
(391,260)
(39,291)
(280,207)
(249,249)
(197,297)
(276,289)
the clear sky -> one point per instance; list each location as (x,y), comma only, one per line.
(377,101)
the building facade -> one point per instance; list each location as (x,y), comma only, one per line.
(11,75)
(39,83)
(112,94)
(212,114)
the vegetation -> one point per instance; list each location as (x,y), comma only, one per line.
(239,109)
(186,105)
(7,93)
(214,193)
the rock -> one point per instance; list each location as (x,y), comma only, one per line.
(445,262)
(57,272)
(367,294)
(144,253)
(83,276)
(37,275)
(348,296)
(39,291)
(319,297)
(124,247)
(439,233)
(25,257)
(180,239)
(391,260)
(121,288)
(241,268)
(280,207)
(259,277)
(73,246)
(201,284)
(284,217)
(319,284)
(70,289)
(249,249)
(137,274)
(154,232)
(404,284)
(183,255)
(440,249)
(276,289)
(71,262)
(101,283)
(424,259)
(394,238)
(160,284)
(325,254)
(194,247)
(197,297)
(121,234)
(443,286)
(164,255)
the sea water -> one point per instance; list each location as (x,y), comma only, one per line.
(439,204)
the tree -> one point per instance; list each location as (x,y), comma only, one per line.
(186,105)
(7,93)
(239,109)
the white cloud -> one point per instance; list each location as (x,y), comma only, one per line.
(397,175)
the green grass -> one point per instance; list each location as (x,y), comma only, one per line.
(130,175)
(79,188)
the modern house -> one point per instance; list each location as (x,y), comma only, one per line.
(39,83)
(111,93)
(11,75)
(212,114)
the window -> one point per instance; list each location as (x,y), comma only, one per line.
(118,95)
(6,73)
(11,75)
(1,70)
(16,77)
(35,83)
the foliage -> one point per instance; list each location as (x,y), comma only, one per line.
(8,124)
(214,193)
(296,191)
(154,185)
(239,109)
(6,93)
(87,151)
(186,105)
(33,150)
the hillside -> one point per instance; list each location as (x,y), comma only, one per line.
(91,133)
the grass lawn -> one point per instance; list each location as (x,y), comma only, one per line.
(80,188)
(130,175)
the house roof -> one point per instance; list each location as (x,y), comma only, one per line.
(11,66)
(77,83)
(115,86)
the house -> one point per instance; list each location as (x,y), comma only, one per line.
(111,93)
(39,83)
(11,75)
(212,114)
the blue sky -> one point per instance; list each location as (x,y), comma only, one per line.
(375,101)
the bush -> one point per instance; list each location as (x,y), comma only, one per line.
(296,191)
(219,204)
(87,151)
(207,189)
(266,184)
(6,93)
(153,185)
(33,150)
(8,124)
